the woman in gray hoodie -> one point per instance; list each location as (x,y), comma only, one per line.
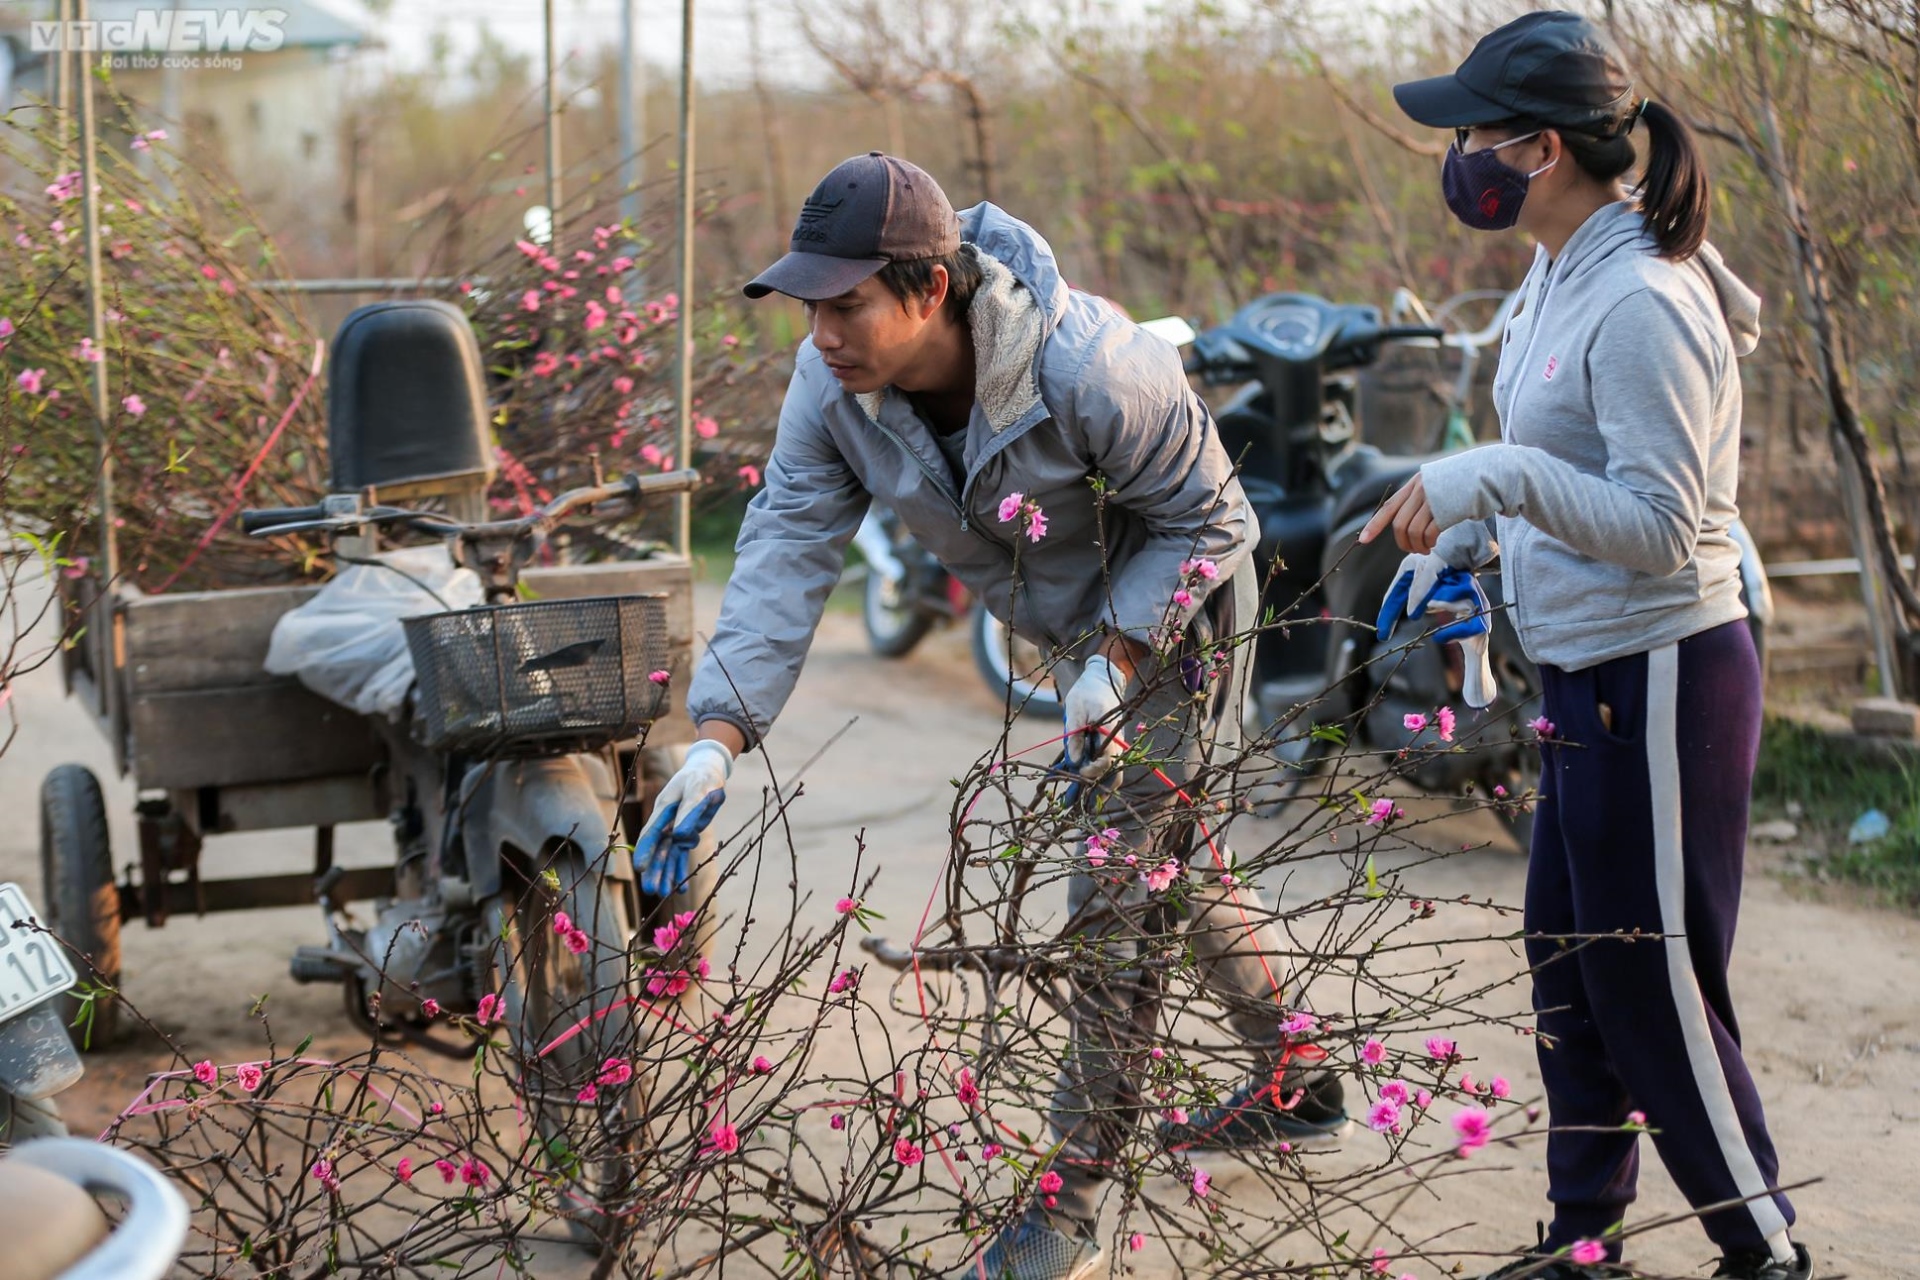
(1612,491)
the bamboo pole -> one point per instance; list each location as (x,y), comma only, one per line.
(683,503)
(80,69)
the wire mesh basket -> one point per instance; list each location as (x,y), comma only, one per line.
(539,677)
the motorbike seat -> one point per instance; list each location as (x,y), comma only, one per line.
(1293,527)
(1368,479)
(407,402)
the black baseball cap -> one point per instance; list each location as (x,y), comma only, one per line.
(871,210)
(1553,67)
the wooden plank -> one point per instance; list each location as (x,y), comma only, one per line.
(314,802)
(279,732)
(204,639)
(255,893)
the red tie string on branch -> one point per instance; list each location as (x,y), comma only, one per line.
(246,477)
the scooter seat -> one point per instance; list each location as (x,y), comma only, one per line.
(1368,479)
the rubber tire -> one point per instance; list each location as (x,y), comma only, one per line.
(81,902)
(891,633)
(23,1120)
(988,639)
(533,1016)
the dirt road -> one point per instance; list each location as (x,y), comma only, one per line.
(1830,994)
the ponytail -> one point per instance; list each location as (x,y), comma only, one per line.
(1673,192)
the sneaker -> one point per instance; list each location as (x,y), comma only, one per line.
(1248,1120)
(1032,1249)
(1537,1266)
(1537,1263)
(1758,1264)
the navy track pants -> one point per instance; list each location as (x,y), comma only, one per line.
(1642,827)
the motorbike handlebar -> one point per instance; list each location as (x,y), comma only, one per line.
(256,520)
(1410,333)
(269,520)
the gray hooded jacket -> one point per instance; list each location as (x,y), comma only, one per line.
(1616,477)
(1073,402)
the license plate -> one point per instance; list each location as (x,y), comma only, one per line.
(33,967)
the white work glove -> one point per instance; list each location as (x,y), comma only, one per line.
(681,813)
(1094,700)
(1427,584)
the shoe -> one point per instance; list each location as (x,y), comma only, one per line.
(1758,1264)
(1536,1266)
(1248,1120)
(1032,1249)
(1538,1263)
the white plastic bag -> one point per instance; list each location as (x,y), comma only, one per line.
(347,644)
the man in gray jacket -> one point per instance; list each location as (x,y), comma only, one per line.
(1054,458)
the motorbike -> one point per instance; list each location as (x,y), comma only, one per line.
(500,742)
(1292,425)
(509,789)
(907,593)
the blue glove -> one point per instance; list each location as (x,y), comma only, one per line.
(682,812)
(1427,584)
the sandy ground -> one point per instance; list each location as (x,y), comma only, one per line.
(1829,992)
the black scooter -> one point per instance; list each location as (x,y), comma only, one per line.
(1293,427)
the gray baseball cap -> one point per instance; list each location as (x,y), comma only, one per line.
(871,210)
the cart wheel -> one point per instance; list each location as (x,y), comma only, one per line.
(657,765)
(82,905)
(23,1120)
(552,997)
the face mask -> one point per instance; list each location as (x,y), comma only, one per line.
(1483,191)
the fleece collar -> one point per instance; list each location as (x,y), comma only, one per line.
(1008,326)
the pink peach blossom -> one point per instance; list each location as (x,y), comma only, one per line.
(1474,1127)
(722,1139)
